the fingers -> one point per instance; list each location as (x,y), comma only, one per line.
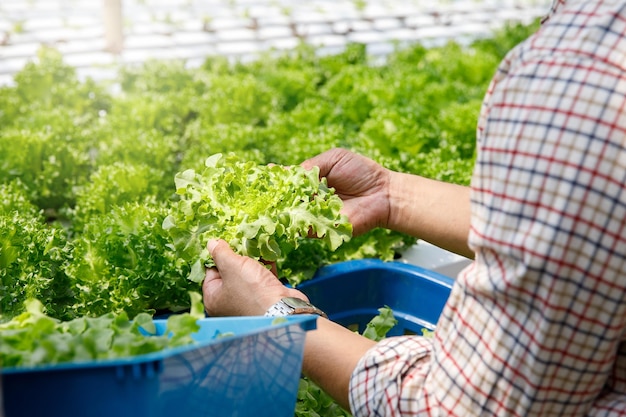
(211,286)
(240,285)
(272,267)
(210,277)
(212,244)
(219,250)
(325,161)
(222,254)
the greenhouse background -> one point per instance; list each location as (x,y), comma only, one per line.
(91,139)
(97,38)
(94,36)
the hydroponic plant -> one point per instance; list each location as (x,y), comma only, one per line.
(103,204)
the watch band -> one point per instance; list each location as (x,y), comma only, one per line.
(290,305)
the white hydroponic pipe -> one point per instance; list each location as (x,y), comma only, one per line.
(113,25)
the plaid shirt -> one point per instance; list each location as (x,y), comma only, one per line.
(536,326)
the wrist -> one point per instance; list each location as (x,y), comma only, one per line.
(266,302)
(400,200)
(288,306)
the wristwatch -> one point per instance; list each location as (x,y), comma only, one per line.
(291,305)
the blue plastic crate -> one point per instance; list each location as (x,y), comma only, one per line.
(351,293)
(254,372)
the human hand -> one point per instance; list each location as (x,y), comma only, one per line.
(361,183)
(240,285)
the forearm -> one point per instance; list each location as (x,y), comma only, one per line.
(434,211)
(331,352)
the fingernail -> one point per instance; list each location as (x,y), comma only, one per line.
(211,244)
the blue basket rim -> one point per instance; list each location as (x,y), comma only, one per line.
(305,322)
(330,271)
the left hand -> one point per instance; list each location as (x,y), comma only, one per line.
(239,285)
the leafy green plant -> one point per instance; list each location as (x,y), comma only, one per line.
(313,401)
(262,211)
(33,338)
(302,264)
(47,83)
(48,164)
(15,198)
(32,257)
(87,173)
(88,179)
(379,325)
(112,186)
(123,262)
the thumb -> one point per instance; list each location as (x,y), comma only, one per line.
(222,254)
(217,248)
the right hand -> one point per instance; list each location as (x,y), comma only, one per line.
(361,183)
(239,285)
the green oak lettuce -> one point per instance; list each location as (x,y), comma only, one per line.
(262,211)
(123,262)
(86,167)
(34,338)
(32,256)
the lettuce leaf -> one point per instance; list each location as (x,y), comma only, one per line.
(34,338)
(262,211)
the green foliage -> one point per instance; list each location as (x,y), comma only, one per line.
(34,338)
(136,113)
(48,83)
(236,99)
(9,106)
(112,186)
(122,261)
(48,163)
(313,401)
(204,139)
(301,264)
(380,325)
(163,77)
(87,176)
(261,211)
(14,198)
(32,258)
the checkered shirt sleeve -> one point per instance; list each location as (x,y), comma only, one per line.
(536,326)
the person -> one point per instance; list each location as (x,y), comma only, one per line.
(536,325)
